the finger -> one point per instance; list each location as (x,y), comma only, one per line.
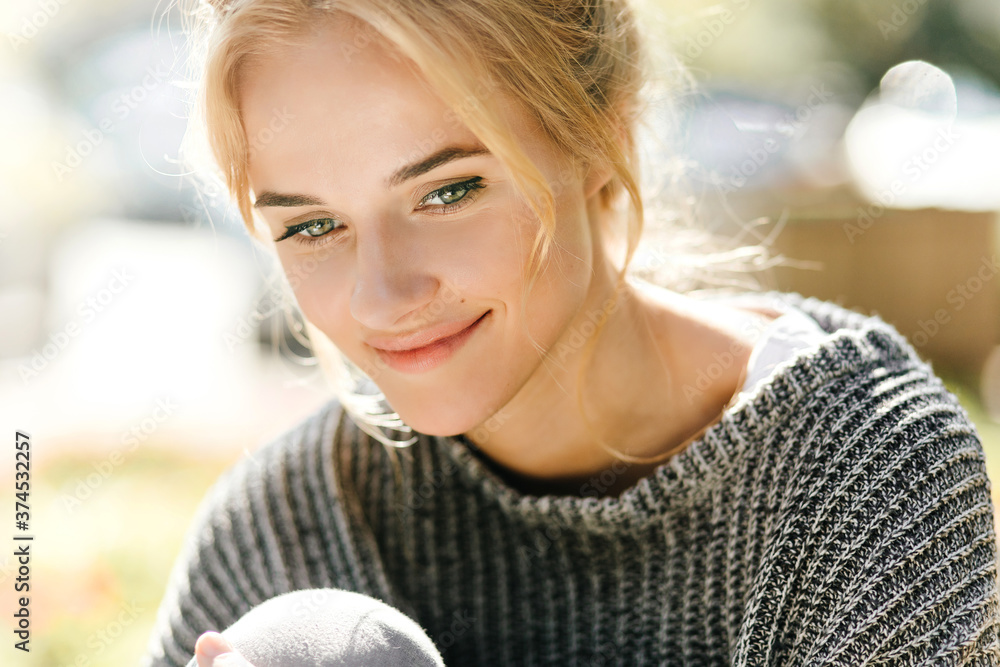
(210,646)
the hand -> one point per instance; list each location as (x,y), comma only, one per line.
(212,650)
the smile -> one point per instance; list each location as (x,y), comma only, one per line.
(422,359)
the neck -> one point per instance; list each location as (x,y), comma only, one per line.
(632,391)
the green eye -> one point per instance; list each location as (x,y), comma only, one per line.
(453,193)
(306,232)
(319,227)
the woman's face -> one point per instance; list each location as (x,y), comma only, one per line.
(400,223)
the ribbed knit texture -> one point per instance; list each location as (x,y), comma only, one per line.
(839,514)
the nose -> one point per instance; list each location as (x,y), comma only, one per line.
(392,279)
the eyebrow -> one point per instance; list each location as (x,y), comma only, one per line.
(400,176)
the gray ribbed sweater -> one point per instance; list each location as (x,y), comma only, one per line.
(841,514)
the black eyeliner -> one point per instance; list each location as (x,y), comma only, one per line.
(294,229)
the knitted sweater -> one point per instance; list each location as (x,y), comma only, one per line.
(838,513)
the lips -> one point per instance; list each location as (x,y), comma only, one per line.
(428,357)
(424,338)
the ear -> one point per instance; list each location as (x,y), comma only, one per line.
(597,175)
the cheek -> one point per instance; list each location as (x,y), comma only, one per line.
(320,291)
(561,286)
(570,256)
(500,263)
(482,258)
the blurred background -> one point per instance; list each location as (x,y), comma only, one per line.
(141,339)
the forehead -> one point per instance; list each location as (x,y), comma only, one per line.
(342,95)
(323,103)
(343,85)
(325,68)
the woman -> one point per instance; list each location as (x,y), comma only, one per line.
(602,471)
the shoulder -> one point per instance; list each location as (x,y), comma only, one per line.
(857,422)
(861,392)
(862,380)
(877,506)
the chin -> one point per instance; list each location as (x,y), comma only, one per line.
(439,416)
(430,425)
(437,419)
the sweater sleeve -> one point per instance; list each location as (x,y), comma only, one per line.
(267,526)
(895,563)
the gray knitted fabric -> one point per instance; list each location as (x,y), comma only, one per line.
(839,514)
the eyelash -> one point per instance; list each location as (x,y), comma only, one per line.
(473,185)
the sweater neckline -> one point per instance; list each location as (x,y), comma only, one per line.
(857,340)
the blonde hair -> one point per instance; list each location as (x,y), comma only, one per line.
(578,67)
